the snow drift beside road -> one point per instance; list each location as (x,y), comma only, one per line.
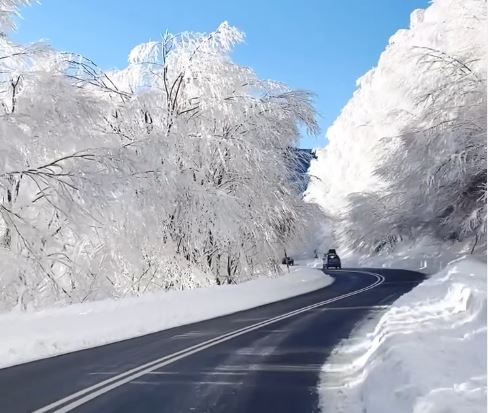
(29,336)
(426,354)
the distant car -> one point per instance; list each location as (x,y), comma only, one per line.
(288,261)
(331,260)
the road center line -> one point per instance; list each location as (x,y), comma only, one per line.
(90,393)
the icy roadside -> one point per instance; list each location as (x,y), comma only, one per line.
(426,354)
(27,336)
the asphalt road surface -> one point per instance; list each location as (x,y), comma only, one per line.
(266,359)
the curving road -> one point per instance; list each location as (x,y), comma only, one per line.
(259,360)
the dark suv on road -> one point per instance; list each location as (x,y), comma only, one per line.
(331,260)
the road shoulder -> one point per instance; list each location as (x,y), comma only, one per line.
(28,336)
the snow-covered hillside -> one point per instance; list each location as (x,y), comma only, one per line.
(426,354)
(407,156)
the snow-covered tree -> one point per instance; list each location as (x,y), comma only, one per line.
(407,156)
(224,137)
(171,173)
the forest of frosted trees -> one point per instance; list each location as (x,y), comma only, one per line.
(171,173)
(178,170)
(407,156)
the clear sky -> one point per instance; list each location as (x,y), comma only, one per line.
(319,45)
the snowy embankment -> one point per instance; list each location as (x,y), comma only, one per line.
(33,335)
(426,354)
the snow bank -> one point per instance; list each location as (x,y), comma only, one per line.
(29,336)
(426,354)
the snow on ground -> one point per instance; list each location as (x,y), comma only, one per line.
(33,335)
(425,354)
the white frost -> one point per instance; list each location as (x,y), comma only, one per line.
(407,156)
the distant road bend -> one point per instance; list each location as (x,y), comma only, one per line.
(259,360)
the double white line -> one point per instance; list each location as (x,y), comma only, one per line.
(89,393)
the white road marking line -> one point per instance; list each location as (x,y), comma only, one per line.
(146,383)
(123,378)
(190,334)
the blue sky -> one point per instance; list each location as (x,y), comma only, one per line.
(319,45)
